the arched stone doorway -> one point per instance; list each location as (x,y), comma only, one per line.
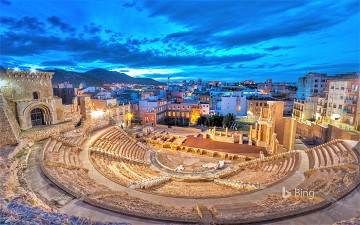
(37,117)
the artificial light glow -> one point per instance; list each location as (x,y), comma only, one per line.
(16,69)
(129,116)
(97,113)
(32,70)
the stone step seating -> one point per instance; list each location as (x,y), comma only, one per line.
(142,208)
(330,154)
(331,181)
(76,181)
(274,206)
(271,170)
(75,141)
(123,172)
(116,141)
(57,151)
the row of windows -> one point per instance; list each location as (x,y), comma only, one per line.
(259,104)
(319,80)
(178,114)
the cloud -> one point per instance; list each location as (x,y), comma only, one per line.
(213,24)
(56,22)
(274,48)
(23,24)
(55,63)
(92,28)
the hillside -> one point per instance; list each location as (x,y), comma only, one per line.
(97,77)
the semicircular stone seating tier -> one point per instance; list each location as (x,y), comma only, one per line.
(333,172)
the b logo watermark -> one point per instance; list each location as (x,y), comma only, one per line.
(298,192)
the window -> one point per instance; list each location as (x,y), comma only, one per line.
(340,106)
(36,95)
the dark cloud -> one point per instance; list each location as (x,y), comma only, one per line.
(213,24)
(274,48)
(55,63)
(94,48)
(23,24)
(92,28)
(56,22)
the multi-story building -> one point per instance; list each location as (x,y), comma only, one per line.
(342,100)
(65,91)
(179,114)
(311,84)
(320,112)
(205,97)
(204,108)
(303,110)
(148,105)
(233,104)
(315,83)
(256,104)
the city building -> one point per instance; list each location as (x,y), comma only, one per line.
(304,110)
(65,91)
(234,104)
(311,84)
(342,100)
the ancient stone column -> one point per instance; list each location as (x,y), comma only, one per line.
(250,133)
(259,133)
(240,139)
(226,131)
(267,134)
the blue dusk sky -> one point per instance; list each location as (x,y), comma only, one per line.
(214,40)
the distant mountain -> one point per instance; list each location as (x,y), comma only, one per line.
(97,77)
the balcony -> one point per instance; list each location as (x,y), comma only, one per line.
(350,101)
(349,90)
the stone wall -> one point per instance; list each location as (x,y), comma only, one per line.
(38,134)
(323,134)
(336,133)
(183,129)
(9,128)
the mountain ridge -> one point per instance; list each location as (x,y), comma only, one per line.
(97,77)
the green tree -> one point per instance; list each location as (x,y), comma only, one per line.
(201,120)
(228,119)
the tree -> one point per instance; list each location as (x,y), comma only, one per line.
(228,119)
(201,120)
